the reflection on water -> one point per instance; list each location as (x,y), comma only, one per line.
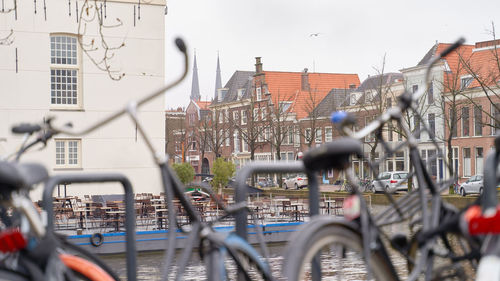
(150,264)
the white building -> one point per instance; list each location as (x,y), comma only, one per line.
(45,72)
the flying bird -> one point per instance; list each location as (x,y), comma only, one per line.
(314,34)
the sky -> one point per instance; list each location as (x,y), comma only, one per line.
(352,36)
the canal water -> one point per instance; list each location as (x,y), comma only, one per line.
(150,263)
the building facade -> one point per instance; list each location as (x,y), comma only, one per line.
(46,71)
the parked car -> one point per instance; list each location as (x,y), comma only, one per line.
(295,181)
(390,182)
(266,183)
(473,185)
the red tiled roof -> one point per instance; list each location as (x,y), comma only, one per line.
(286,86)
(202,104)
(482,62)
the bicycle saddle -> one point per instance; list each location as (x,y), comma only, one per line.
(15,176)
(332,155)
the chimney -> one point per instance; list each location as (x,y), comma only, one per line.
(258,66)
(304,82)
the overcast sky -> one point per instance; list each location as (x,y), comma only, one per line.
(353,36)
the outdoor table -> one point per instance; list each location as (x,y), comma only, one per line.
(160,216)
(117,217)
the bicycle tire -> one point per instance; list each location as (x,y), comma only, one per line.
(85,269)
(308,243)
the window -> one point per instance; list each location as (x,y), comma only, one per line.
(466,162)
(221,117)
(236,116)
(258,92)
(400,132)
(495,122)
(64,71)
(453,123)
(465,121)
(290,134)
(430,94)
(414,88)
(465,82)
(244,142)
(267,134)
(388,102)
(318,138)
(297,137)
(416,123)
(390,130)
(243,117)
(255,114)
(455,159)
(328,134)
(228,138)
(430,161)
(371,136)
(478,118)
(308,135)
(283,106)
(432,125)
(264,113)
(236,142)
(68,153)
(479,160)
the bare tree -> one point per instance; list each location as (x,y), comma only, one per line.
(486,72)
(98,49)
(311,121)
(279,122)
(214,131)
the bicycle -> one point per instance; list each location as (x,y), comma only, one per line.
(30,252)
(359,237)
(214,248)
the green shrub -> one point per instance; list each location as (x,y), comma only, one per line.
(184,172)
(222,171)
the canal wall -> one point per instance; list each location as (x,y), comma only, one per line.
(377,199)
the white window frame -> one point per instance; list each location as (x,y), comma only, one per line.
(243,117)
(264,113)
(478,161)
(255,114)
(466,173)
(236,115)
(328,134)
(65,67)
(465,81)
(66,153)
(258,93)
(308,134)
(318,136)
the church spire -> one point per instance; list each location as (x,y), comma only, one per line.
(218,83)
(195,86)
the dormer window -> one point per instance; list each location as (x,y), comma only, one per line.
(284,106)
(465,82)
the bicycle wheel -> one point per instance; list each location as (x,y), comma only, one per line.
(338,251)
(224,261)
(84,269)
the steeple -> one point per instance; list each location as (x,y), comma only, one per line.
(195,86)
(218,83)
